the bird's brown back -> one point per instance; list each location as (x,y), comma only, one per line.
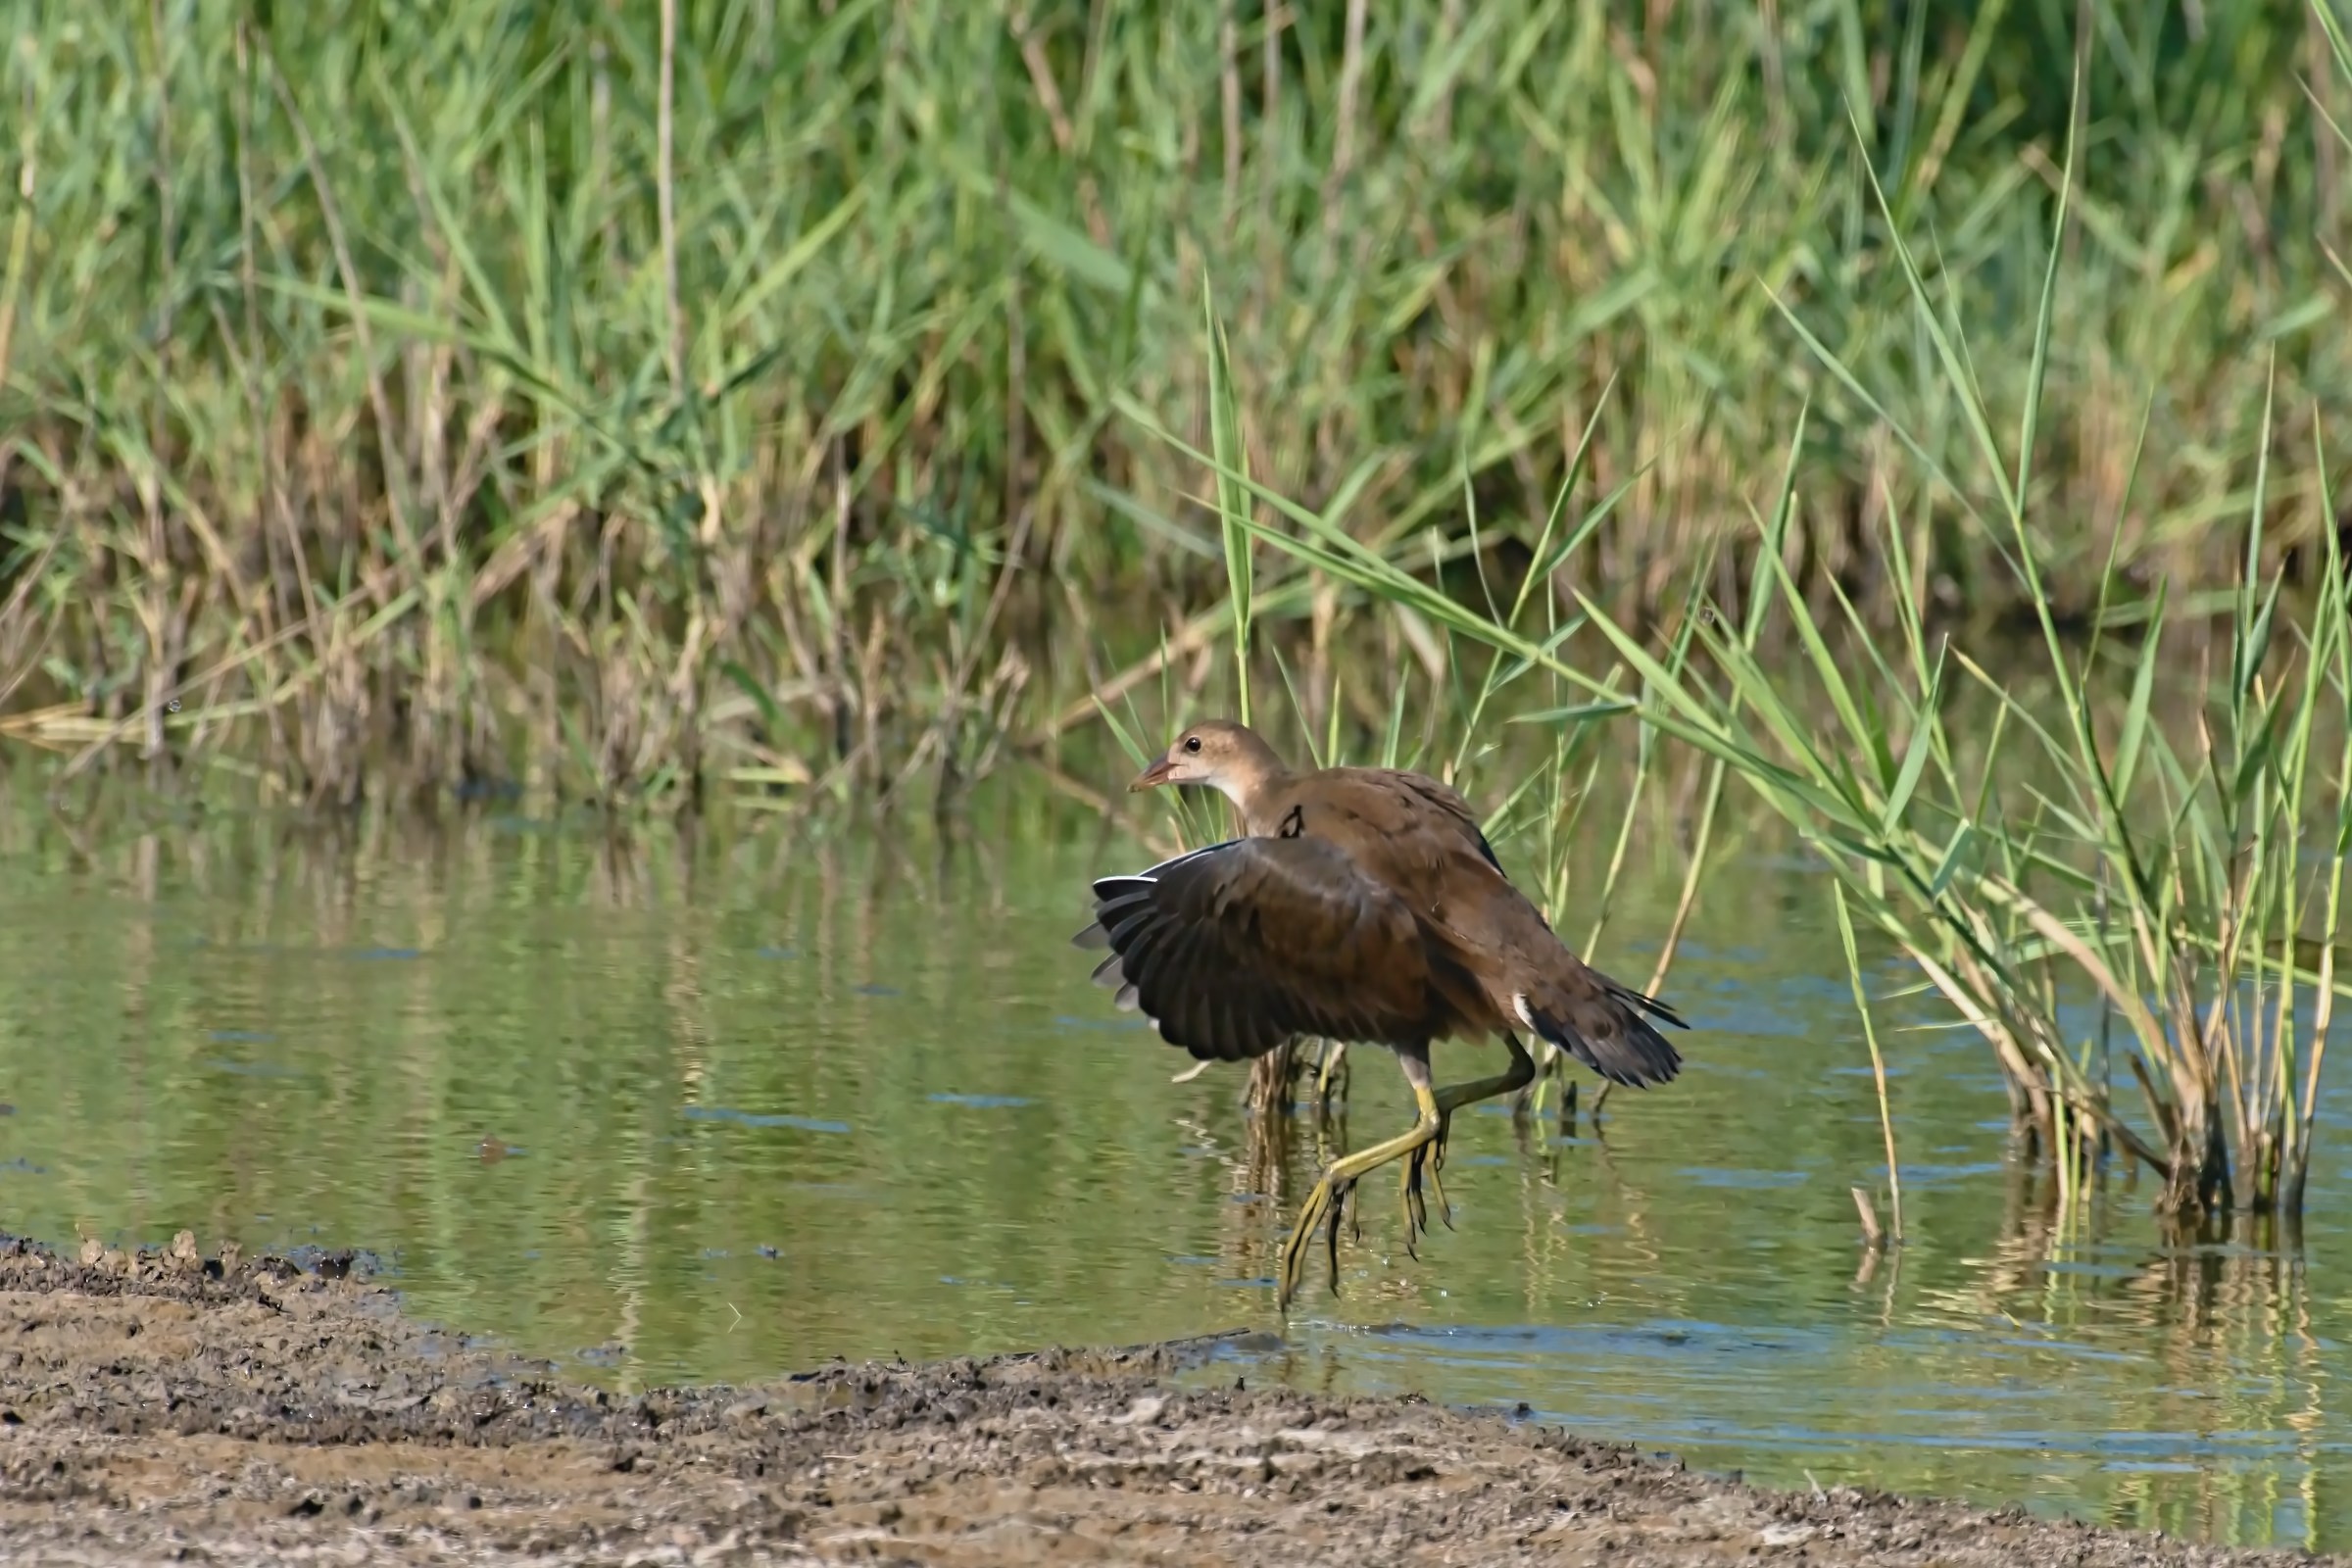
(1370,804)
(1420,839)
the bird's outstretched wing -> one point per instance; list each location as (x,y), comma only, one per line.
(1236,948)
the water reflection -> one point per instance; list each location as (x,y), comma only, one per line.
(721,1105)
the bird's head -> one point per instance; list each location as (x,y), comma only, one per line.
(1226,757)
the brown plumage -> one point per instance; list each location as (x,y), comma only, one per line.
(1363,904)
(1360,905)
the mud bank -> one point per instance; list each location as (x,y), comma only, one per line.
(166,1406)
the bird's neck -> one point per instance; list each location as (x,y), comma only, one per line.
(1258,793)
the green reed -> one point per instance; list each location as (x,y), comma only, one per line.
(628,399)
(2186,875)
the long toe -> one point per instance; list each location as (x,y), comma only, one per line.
(1324,1201)
(1294,1248)
(1416,1212)
(1330,1232)
(1437,1181)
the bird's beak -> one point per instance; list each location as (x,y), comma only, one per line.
(1151,777)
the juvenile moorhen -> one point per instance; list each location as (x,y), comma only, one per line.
(1362,905)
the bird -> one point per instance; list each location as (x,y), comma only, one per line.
(1362,905)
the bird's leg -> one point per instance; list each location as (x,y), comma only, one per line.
(1517,1076)
(1330,1194)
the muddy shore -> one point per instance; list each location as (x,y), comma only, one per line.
(166,1406)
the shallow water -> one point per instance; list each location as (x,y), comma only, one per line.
(717,1110)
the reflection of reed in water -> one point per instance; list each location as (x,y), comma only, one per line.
(2236,1319)
(1254,1187)
(1264,1171)
(1296,1069)
(1258,1183)
(1273,1081)
(1548,1168)
(2226,1316)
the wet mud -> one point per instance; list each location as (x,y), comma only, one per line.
(166,1406)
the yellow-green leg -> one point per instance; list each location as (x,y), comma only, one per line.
(1329,1197)
(1432,1156)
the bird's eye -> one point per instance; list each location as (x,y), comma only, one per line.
(1192,743)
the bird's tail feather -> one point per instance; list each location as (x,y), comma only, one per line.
(1601,1024)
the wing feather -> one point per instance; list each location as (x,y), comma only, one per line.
(1234,949)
